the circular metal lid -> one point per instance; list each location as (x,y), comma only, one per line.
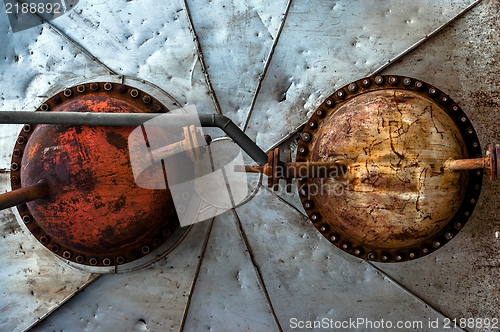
(396,202)
(96,214)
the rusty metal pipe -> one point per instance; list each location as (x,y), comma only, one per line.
(24,195)
(465,164)
(138,119)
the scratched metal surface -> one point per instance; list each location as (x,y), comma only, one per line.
(124,38)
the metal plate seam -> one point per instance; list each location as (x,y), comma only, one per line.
(201,59)
(243,236)
(54,28)
(94,276)
(266,66)
(197,272)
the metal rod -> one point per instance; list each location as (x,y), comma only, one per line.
(465,164)
(24,195)
(138,119)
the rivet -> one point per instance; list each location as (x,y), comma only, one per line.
(302,150)
(398,258)
(466,213)
(436,244)
(379,80)
(308,205)
(444,99)
(345,246)
(157,107)
(357,252)
(322,229)
(134,93)
(146,99)
(166,232)
(458,225)
(14,180)
(320,112)
(66,254)
(448,235)
(27,128)
(366,82)
(406,81)
(145,250)
(79,259)
(94,86)
(334,238)
(67,93)
(44,240)
(121,88)
(133,255)
(412,255)
(475,144)
(306,137)
(120,260)
(80,88)
(432,91)
(352,87)
(393,80)
(44,107)
(35,230)
(463,119)
(108,86)
(473,201)
(312,124)
(372,256)
(340,94)
(156,242)
(330,103)
(14,167)
(384,258)
(455,108)
(419,85)
(185,195)
(303,192)
(93,261)
(477,187)
(16,153)
(470,131)
(21,207)
(26,219)
(425,250)
(21,140)
(106,261)
(54,248)
(57,99)
(479,172)
(315,217)
(181,208)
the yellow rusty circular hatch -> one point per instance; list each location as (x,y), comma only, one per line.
(398,200)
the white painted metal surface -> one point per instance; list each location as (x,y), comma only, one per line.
(266,65)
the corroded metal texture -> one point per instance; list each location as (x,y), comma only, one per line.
(398,201)
(95,214)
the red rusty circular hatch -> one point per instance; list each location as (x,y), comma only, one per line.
(397,200)
(95,213)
